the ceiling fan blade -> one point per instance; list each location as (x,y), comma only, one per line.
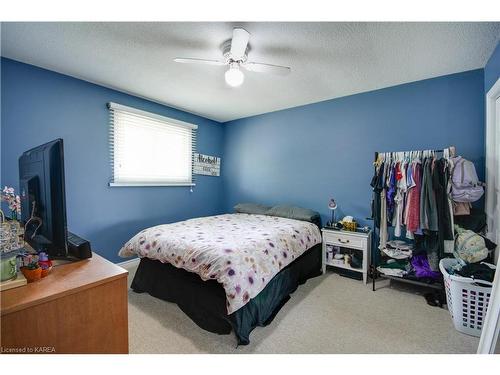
(198,61)
(267,68)
(239,42)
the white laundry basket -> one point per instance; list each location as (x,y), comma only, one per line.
(467,299)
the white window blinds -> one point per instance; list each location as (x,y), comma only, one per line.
(149,149)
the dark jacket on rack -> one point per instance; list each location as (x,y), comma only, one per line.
(440,178)
(428,208)
(377,184)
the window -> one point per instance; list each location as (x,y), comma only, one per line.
(149,149)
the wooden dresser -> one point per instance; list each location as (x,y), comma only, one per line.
(80,307)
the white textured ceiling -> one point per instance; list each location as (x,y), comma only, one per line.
(328,60)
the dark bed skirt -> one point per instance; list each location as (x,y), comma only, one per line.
(205,301)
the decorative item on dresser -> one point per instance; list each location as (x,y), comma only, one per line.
(347,250)
(81,307)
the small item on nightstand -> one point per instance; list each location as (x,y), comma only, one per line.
(338,225)
(332,206)
(356,261)
(349,223)
(329,253)
(338,259)
(347,259)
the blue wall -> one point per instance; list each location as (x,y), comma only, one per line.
(304,155)
(492,69)
(39,105)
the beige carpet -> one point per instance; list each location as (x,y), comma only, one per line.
(328,314)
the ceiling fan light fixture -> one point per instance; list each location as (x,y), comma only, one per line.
(234,76)
(235,55)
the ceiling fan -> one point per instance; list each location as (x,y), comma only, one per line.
(235,55)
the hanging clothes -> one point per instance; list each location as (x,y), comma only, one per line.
(377,184)
(379,207)
(449,245)
(391,191)
(440,178)
(411,192)
(413,201)
(428,208)
(399,199)
(384,235)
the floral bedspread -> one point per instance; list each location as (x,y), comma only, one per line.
(242,252)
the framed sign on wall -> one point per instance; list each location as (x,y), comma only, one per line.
(205,164)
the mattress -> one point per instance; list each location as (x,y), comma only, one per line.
(241,252)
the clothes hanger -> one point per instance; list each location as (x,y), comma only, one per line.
(452,151)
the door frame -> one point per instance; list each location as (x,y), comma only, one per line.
(491,326)
(492,142)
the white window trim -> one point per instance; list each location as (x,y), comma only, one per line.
(116,106)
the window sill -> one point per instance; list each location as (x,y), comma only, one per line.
(145,184)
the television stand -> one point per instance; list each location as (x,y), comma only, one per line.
(79,307)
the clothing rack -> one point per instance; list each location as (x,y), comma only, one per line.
(451,152)
(375,274)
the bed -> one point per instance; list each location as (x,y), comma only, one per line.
(229,272)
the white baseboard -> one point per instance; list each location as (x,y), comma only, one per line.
(129,263)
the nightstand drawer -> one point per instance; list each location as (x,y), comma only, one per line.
(345,240)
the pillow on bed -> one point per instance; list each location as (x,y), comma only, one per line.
(251,208)
(293,212)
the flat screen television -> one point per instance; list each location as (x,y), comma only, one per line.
(41,179)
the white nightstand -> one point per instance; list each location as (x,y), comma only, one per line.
(346,242)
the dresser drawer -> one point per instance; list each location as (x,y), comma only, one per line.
(345,240)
